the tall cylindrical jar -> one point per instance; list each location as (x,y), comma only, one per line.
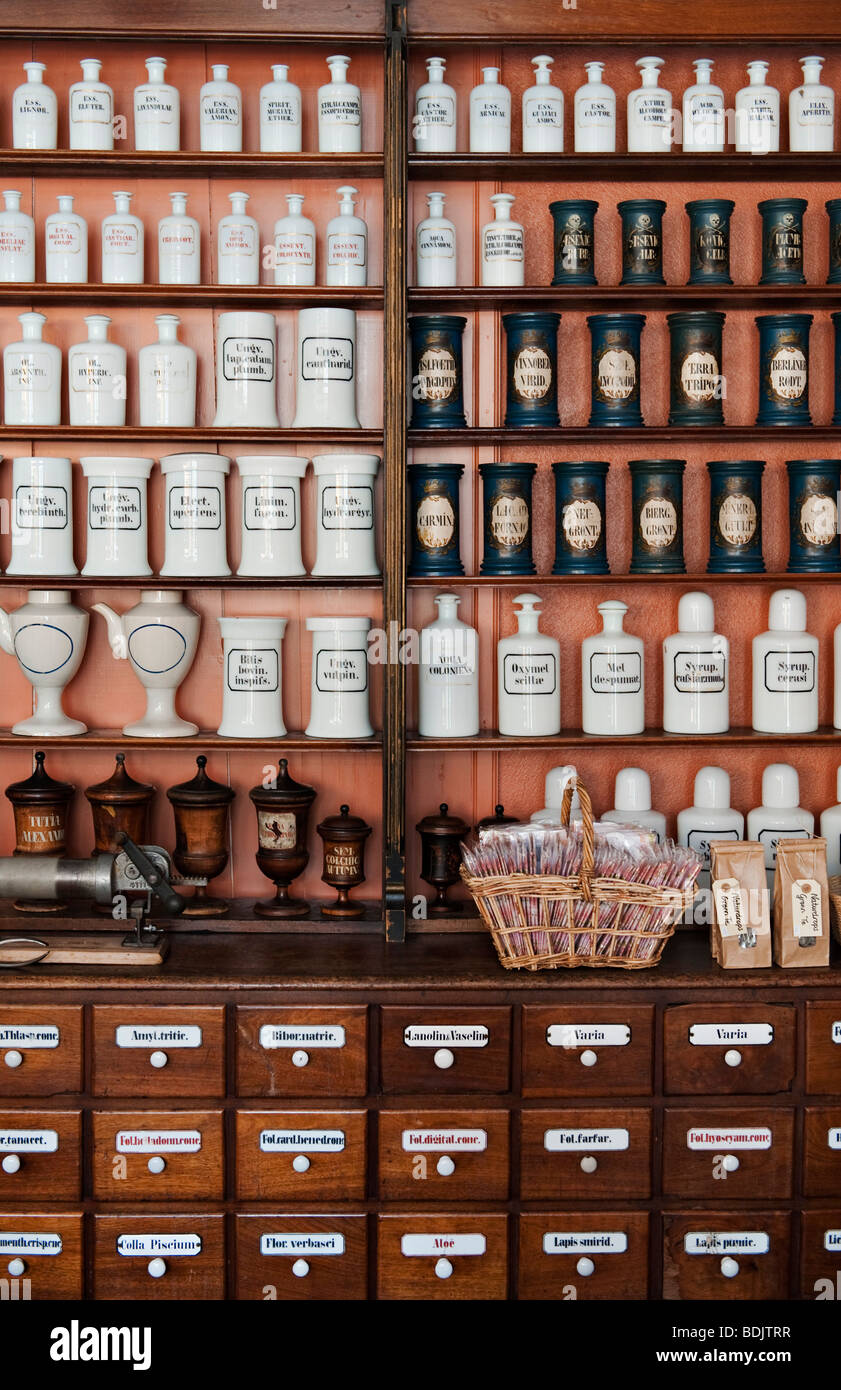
(813,486)
(345,534)
(697,382)
(615,368)
(709,241)
(782,241)
(736,516)
(642,241)
(783,369)
(194,510)
(327,370)
(833,208)
(657,516)
(507,509)
(252,700)
(437,379)
(531,375)
(434,544)
(339,679)
(573,222)
(271,514)
(580,529)
(246,369)
(836,414)
(96,377)
(117,516)
(42,516)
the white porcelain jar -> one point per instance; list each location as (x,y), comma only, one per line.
(195,515)
(91,110)
(47,635)
(122,244)
(345,534)
(703,112)
(326,387)
(347,243)
(246,369)
(158,637)
(503,245)
(280,113)
(710,818)
(238,245)
(117,517)
(696,671)
(448,674)
(293,258)
(220,113)
(831,831)
(779,817)
(66,245)
(271,514)
(757,113)
(434,125)
(96,377)
(528,676)
(543,111)
(32,376)
(166,373)
(612,676)
(649,112)
(339,682)
(555,784)
(632,802)
(339,110)
(157,110)
(179,245)
(595,114)
(34,111)
(435,245)
(811,110)
(785,669)
(252,701)
(490,115)
(17,241)
(42,516)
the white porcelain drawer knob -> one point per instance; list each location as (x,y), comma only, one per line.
(588,1057)
(589,1164)
(300,1269)
(443,1058)
(156,1164)
(157,1267)
(443,1268)
(13,1058)
(300,1163)
(11,1163)
(585,1266)
(300,1059)
(733,1057)
(445,1166)
(158,1059)
(16,1267)
(729,1267)
(730,1163)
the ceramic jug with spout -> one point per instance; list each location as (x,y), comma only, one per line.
(47,635)
(159,638)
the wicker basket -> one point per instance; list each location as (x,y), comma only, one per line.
(530,916)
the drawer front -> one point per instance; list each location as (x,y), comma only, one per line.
(444,1155)
(186,1254)
(823,1049)
(579,1050)
(729,1049)
(41,1254)
(820,1254)
(746,1256)
(40,1154)
(302,1052)
(442,1257)
(583,1255)
(130,1147)
(728,1154)
(40,1050)
(302,1258)
(446,1050)
(822,1147)
(301,1155)
(590,1153)
(173,1051)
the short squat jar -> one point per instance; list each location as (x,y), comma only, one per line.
(507,508)
(657,516)
(42,516)
(345,535)
(736,516)
(434,543)
(117,517)
(437,376)
(580,503)
(194,508)
(270,509)
(782,241)
(696,380)
(642,241)
(615,368)
(813,486)
(783,369)
(833,208)
(339,680)
(531,370)
(709,241)
(574,241)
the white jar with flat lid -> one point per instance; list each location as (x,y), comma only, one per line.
(339,680)
(117,523)
(785,669)
(194,508)
(327,370)
(42,516)
(246,370)
(252,703)
(346,539)
(271,514)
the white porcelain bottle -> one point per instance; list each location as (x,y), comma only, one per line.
(503,245)
(543,111)
(490,115)
(32,376)
(347,243)
(780,817)
(711,818)
(293,254)
(238,245)
(528,676)
(252,671)
(271,514)
(339,685)
(42,516)
(196,531)
(117,515)
(696,671)
(96,377)
(785,669)
(157,110)
(831,831)
(757,113)
(448,674)
(811,110)
(179,245)
(17,241)
(612,676)
(435,245)
(632,795)
(246,369)
(555,785)
(47,635)
(122,244)
(166,378)
(325,392)
(434,125)
(220,113)
(595,114)
(703,112)
(91,110)
(66,245)
(649,112)
(346,541)
(34,111)
(339,110)
(280,113)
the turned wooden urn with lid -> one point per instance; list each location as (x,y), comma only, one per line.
(201,810)
(283,810)
(344,839)
(441,837)
(40,808)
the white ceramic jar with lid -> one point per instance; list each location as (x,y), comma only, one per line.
(528,676)
(779,817)
(32,376)
(47,635)
(434,125)
(96,377)
(220,113)
(66,245)
(17,241)
(448,674)
(293,258)
(326,387)
(595,114)
(339,110)
(710,818)
(632,798)
(339,680)
(238,245)
(122,244)
(503,245)
(166,372)
(246,369)
(179,245)
(831,831)
(346,537)
(435,245)
(703,112)
(91,110)
(34,111)
(252,701)
(612,676)
(785,669)
(157,110)
(556,782)
(194,508)
(543,111)
(696,671)
(271,514)
(347,243)
(117,516)
(42,516)
(280,113)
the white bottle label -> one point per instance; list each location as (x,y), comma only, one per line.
(153,104)
(157,1035)
(435,110)
(62,238)
(248,359)
(834,1032)
(344,110)
(446,1035)
(443,1244)
(437,242)
(29,370)
(120,239)
(341,670)
(544,111)
(275,1035)
(587,1034)
(277,829)
(238,239)
(277,110)
(699,1139)
(220,110)
(584,1242)
(704,109)
(699,840)
(151,1141)
(790,672)
(26,1035)
(437,376)
(30,1243)
(726,1242)
(702,672)
(169,375)
(346,248)
(299,1243)
(310,1141)
(347,508)
(91,106)
(615,674)
(29,1141)
(582,524)
(722,1034)
(574,1140)
(327,359)
(616,374)
(806,907)
(489,109)
(253,669)
(700,378)
(449,663)
(819,519)
(194,509)
(532,373)
(269,509)
(114,508)
(658,523)
(89,373)
(434,1140)
(788,374)
(596,111)
(815,111)
(294,248)
(509,521)
(435,522)
(502,244)
(652,108)
(41,508)
(737,519)
(178,239)
(771,838)
(532,674)
(169,1244)
(833,1137)
(27,106)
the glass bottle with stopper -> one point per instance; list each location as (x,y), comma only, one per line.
(543,111)
(344,839)
(201,811)
(283,810)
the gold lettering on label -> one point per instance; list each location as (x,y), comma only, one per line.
(436,374)
(737,518)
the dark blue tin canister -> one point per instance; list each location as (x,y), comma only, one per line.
(833,208)
(437,381)
(782,241)
(696,380)
(657,516)
(783,369)
(813,515)
(508,517)
(580,530)
(531,371)
(736,516)
(642,241)
(574,239)
(615,368)
(434,547)
(709,241)
(836,414)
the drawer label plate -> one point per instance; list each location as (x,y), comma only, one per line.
(588,1034)
(446,1035)
(171,1243)
(726,1243)
(831,1240)
(24,1035)
(584,1242)
(725,1034)
(157,1141)
(833,1138)
(297,1243)
(302,1035)
(30,1243)
(158,1035)
(443,1244)
(308,1141)
(561,1140)
(835,1032)
(28,1141)
(430,1140)
(701,1138)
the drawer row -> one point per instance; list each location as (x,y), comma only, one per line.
(567,1050)
(557,1254)
(445,1156)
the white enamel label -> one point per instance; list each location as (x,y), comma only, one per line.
(297,1243)
(584,1242)
(443,1244)
(448,1035)
(148,1035)
(23,1035)
(835,1032)
(274,1035)
(30,1243)
(833,1137)
(723,1034)
(172,1243)
(430,1140)
(563,1140)
(832,1240)
(726,1243)
(152,1141)
(29,1141)
(586,1034)
(759,1138)
(310,1141)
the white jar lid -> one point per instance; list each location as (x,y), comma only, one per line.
(632,791)
(712,788)
(253,629)
(40,460)
(780,785)
(190,463)
(556,781)
(787,611)
(246,323)
(695,613)
(271,465)
(345,463)
(110,466)
(338,624)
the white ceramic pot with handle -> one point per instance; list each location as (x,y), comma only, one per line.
(47,635)
(159,638)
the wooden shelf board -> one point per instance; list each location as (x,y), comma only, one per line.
(490,742)
(114,738)
(590,298)
(205,434)
(231,583)
(721,435)
(526,581)
(187,163)
(710,169)
(241,918)
(192,296)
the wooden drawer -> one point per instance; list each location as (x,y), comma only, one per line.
(601,1153)
(40,1050)
(191,1247)
(823,1048)
(822,1148)
(130,1145)
(176,1050)
(446,1050)
(305,1258)
(757,1242)
(452,1257)
(302,1052)
(300,1155)
(820,1254)
(444,1155)
(41,1254)
(583,1254)
(580,1050)
(728,1154)
(47,1146)
(729,1049)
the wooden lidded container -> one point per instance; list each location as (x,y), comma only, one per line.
(201,810)
(344,839)
(40,807)
(282,817)
(441,837)
(118,804)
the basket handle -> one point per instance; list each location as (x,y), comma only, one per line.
(589,841)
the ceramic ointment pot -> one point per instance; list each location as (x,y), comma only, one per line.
(246,369)
(42,516)
(339,680)
(437,378)
(657,516)
(117,527)
(531,372)
(615,368)
(580,531)
(325,394)
(696,381)
(47,635)
(833,208)
(782,241)
(736,516)
(159,638)
(813,486)
(252,703)
(574,220)
(434,519)
(196,526)
(345,534)
(783,369)
(507,510)
(642,241)
(709,241)
(271,514)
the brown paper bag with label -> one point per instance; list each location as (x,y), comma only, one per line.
(740,925)
(801,904)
